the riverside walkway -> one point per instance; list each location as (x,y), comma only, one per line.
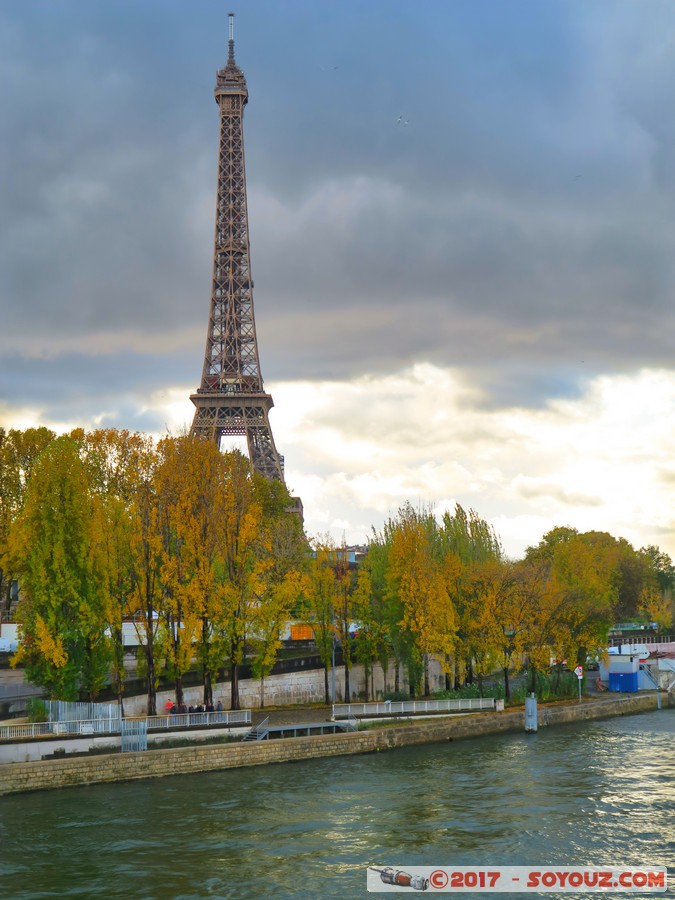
(62,772)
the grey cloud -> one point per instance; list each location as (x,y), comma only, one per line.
(519,227)
(532,489)
(73,387)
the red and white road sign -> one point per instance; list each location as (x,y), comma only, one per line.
(578,671)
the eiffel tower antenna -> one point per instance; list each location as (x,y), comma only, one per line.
(230,50)
(231,399)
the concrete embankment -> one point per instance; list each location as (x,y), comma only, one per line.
(55,773)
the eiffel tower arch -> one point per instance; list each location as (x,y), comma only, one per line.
(231,399)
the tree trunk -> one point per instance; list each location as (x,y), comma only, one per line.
(206,646)
(411,683)
(469,672)
(180,698)
(385,674)
(367,674)
(427,690)
(348,695)
(150,674)
(507,686)
(149,649)
(234,687)
(325,684)
(118,668)
(533,680)
(150,685)
(4,593)
(397,677)
(119,684)
(262,692)
(208,688)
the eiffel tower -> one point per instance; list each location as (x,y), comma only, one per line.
(231,399)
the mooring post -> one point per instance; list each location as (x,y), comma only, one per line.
(531,722)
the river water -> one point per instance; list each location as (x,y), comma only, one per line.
(597,794)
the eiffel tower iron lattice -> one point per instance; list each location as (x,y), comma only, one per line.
(231,399)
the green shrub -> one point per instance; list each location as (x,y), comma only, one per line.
(545,689)
(470,692)
(37,710)
(396,695)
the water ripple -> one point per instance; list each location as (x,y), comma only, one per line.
(596,794)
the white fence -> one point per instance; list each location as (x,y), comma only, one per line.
(413,707)
(113,726)
(187,720)
(134,736)
(107,714)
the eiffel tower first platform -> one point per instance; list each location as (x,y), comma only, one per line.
(231,399)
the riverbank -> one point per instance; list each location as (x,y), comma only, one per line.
(56,773)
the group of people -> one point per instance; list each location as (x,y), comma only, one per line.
(173,709)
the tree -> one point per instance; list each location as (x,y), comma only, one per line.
(490,630)
(658,590)
(545,549)
(55,546)
(320,594)
(387,609)
(417,578)
(114,461)
(370,611)
(577,577)
(146,553)
(283,584)
(345,581)
(628,571)
(189,482)
(19,452)
(241,560)
(662,566)
(517,598)
(468,542)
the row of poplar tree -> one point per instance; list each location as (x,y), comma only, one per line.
(445,588)
(106,526)
(205,558)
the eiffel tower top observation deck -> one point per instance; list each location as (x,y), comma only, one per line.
(231,399)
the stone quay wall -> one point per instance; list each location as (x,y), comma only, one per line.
(47,774)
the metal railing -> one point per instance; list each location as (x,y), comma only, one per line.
(648,675)
(260,732)
(113,726)
(638,639)
(410,707)
(108,714)
(134,734)
(190,719)
(28,730)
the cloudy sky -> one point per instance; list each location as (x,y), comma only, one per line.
(462,227)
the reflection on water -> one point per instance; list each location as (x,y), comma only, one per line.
(597,794)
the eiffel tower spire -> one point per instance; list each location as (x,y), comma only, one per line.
(231,399)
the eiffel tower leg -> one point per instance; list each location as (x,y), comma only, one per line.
(202,428)
(263,453)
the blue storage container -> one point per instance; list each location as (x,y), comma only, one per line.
(626,682)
